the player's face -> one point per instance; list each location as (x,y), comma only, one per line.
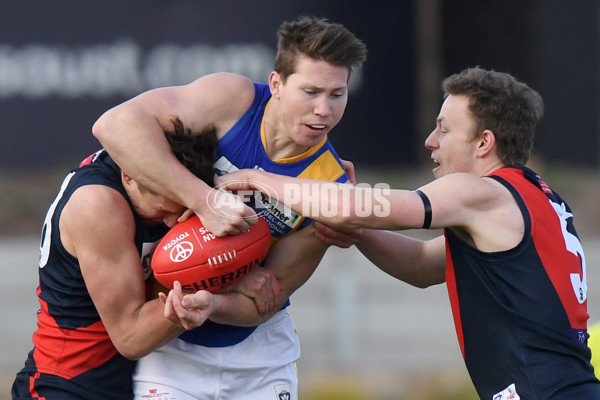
(155,209)
(312,101)
(453,142)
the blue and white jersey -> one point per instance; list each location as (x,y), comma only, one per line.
(244,147)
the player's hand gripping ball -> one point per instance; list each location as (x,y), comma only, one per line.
(192,255)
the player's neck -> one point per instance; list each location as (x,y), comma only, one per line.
(277,141)
(279,147)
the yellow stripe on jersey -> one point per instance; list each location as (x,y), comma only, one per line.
(326,167)
(304,155)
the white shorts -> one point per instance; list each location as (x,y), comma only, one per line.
(261,367)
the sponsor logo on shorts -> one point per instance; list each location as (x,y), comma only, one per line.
(155,394)
(510,393)
(282,392)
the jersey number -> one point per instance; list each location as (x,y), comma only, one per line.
(47,230)
(579,282)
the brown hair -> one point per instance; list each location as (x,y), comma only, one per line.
(197,152)
(502,104)
(318,39)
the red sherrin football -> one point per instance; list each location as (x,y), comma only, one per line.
(192,255)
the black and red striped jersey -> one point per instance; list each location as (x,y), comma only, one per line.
(73,354)
(521,314)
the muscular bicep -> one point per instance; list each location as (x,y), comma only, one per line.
(217,100)
(97,228)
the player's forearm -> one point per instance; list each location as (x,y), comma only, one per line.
(237,309)
(145,331)
(413,261)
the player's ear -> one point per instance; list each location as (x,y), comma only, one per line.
(275,83)
(126,178)
(486,142)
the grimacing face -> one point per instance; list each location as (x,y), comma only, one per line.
(313,100)
(156,209)
(152,207)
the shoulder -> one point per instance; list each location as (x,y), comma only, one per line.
(223,85)
(223,81)
(219,99)
(95,205)
(95,215)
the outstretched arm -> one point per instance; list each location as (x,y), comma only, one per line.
(416,262)
(338,205)
(479,208)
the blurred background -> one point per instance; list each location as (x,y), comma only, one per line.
(364,335)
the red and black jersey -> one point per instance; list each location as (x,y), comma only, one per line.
(73,356)
(521,314)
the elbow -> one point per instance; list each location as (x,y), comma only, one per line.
(132,356)
(99,128)
(420,285)
(105,126)
(429,281)
(423,278)
(423,284)
(131,350)
(133,353)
